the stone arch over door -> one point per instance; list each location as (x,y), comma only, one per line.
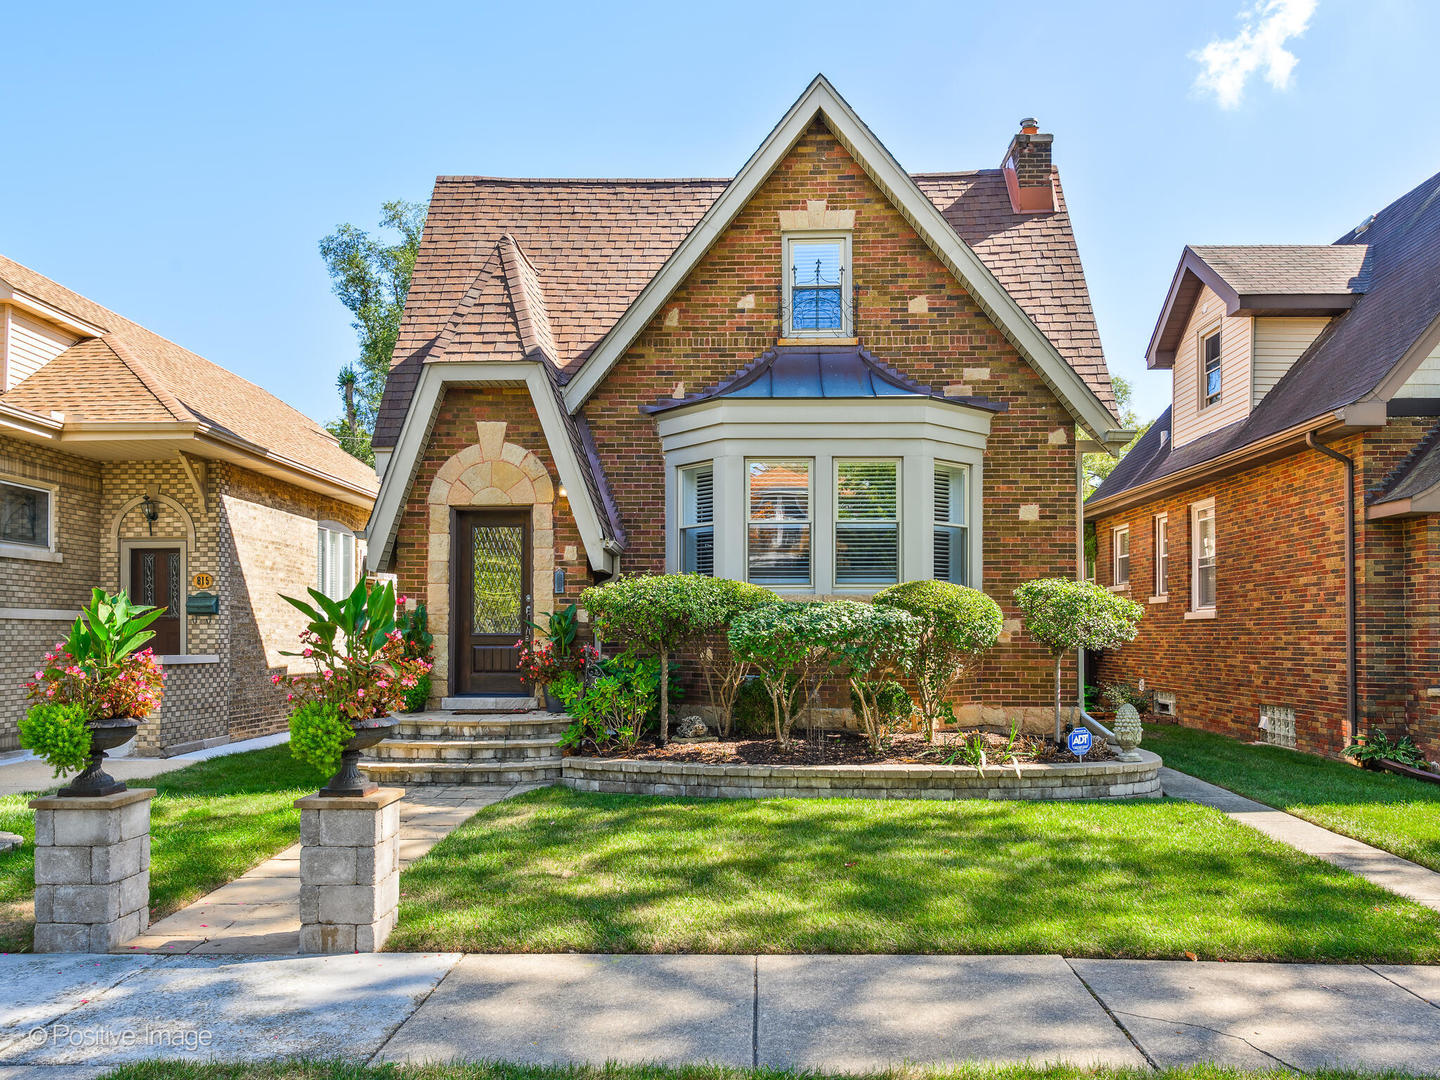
(490,473)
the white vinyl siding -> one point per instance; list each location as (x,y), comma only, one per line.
(779,512)
(697,519)
(1425,382)
(335,561)
(952,533)
(867,522)
(29,346)
(1278,344)
(1162,555)
(1120,565)
(1203,555)
(1190,420)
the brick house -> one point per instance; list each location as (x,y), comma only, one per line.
(129,462)
(824,374)
(1280,516)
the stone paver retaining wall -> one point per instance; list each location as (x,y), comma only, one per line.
(1097,780)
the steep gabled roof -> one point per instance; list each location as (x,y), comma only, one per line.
(130,374)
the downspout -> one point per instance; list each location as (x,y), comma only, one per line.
(1352,709)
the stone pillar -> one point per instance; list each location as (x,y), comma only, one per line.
(92,870)
(349,870)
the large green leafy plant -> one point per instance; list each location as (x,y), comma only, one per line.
(1065,615)
(957,626)
(613,711)
(786,645)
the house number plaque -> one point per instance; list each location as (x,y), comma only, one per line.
(203,580)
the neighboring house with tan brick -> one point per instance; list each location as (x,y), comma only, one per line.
(1230,515)
(129,462)
(824,375)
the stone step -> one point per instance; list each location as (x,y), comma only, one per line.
(447,750)
(538,770)
(453,726)
(482,704)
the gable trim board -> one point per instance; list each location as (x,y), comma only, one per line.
(420,418)
(821,99)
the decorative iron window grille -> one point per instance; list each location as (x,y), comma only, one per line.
(820,301)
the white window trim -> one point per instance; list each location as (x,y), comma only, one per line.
(356,555)
(1196,508)
(680,527)
(1202,398)
(847,314)
(780,459)
(46,552)
(1160,590)
(899,522)
(1115,583)
(969,471)
(178,543)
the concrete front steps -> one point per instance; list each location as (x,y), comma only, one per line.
(450,747)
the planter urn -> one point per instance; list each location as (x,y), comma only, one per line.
(1128,731)
(348,781)
(93,780)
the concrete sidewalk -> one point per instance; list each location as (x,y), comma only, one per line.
(82,1012)
(1401,876)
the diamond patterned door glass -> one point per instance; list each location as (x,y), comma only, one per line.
(497,598)
(147,578)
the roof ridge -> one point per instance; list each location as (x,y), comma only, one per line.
(452,178)
(464,306)
(167,401)
(528,306)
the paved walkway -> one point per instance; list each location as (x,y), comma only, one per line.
(24,772)
(1386,870)
(815,1012)
(259,912)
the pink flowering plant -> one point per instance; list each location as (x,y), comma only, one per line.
(362,667)
(542,662)
(100,672)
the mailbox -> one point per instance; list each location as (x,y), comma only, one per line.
(202,603)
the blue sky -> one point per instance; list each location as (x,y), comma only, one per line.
(179,163)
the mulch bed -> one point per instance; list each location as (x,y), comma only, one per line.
(845,748)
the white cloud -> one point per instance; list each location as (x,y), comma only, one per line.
(1226,66)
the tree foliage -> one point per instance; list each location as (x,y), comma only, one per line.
(371,276)
(785,643)
(1100,465)
(957,626)
(869,645)
(1065,615)
(723,671)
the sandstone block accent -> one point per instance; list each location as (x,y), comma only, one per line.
(349,871)
(1030,512)
(92,871)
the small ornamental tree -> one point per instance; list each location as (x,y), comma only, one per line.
(869,645)
(656,614)
(1065,615)
(722,669)
(785,643)
(957,627)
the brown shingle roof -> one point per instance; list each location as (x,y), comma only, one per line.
(577,253)
(1288,268)
(133,374)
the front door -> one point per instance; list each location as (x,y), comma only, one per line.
(155,582)
(491,564)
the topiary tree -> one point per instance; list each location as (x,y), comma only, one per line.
(655,613)
(869,645)
(1065,615)
(785,643)
(722,669)
(957,627)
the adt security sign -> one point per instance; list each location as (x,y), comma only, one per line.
(1079,742)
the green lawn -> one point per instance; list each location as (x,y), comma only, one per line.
(210,822)
(1391,812)
(556,870)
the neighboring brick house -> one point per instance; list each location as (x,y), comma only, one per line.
(1230,515)
(129,462)
(824,375)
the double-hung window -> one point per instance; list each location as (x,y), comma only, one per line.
(778,516)
(1162,555)
(867,522)
(335,560)
(816,297)
(697,519)
(952,541)
(1202,556)
(1209,369)
(24,515)
(1122,555)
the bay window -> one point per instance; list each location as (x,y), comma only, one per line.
(951,545)
(779,504)
(697,519)
(867,522)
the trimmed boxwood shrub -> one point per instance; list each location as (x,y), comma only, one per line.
(957,626)
(868,645)
(1065,615)
(786,645)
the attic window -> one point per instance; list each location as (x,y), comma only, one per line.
(1210,367)
(816,301)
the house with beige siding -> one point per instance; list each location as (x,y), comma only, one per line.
(129,462)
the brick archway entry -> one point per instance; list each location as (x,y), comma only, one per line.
(491,474)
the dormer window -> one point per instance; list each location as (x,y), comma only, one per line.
(1209,369)
(817,302)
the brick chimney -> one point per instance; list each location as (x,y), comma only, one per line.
(1027,170)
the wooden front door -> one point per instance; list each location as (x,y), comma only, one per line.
(490,562)
(155,582)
